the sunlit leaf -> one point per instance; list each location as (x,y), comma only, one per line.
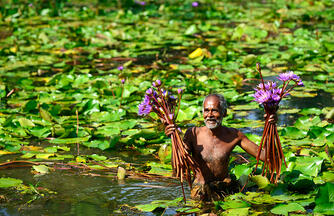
(310,166)
(69,140)
(9,182)
(26,123)
(260,180)
(325,200)
(41,169)
(285,209)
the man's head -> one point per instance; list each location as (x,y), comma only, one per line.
(214,109)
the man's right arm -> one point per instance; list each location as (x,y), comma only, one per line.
(188,138)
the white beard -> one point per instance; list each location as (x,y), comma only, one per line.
(211,126)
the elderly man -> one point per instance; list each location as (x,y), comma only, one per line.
(211,147)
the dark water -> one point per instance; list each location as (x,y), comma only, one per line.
(79,194)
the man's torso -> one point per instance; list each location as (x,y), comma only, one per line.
(212,153)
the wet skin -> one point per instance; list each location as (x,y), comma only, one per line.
(211,148)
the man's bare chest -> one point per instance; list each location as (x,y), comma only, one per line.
(213,150)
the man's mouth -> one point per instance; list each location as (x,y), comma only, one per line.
(211,121)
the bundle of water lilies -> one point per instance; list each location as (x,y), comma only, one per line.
(269,95)
(166,106)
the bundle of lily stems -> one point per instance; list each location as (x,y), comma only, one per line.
(269,95)
(166,106)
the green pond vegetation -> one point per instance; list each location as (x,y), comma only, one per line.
(64,106)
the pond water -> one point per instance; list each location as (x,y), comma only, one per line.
(80,193)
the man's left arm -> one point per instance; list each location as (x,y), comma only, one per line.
(250,147)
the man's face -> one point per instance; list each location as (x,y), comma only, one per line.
(211,113)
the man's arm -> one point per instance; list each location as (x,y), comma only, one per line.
(250,147)
(187,139)
(188,136)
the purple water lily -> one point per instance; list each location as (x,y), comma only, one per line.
(270,94)
(284,76)
(194,4)
(142,3)
(120,68)
(289,76)
(145,108)
(149,91)
(300,83)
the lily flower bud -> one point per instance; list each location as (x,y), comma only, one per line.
(171,116)
(149,91)
(158,83)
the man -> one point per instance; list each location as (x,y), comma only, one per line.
(211,147)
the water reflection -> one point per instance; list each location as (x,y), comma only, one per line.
(89,195)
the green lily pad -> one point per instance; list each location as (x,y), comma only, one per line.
(69,140)
(9,182)
(285,209)
(237,212)
(294,133)
(325,200)
(261,181)
(41,169)
(310,166)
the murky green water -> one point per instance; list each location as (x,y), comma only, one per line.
(79,193)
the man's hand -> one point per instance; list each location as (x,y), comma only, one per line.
(272,118)
(170,129)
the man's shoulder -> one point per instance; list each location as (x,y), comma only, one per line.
(230,129)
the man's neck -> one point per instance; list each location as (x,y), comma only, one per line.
(215,131)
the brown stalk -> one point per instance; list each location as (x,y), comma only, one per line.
(280,147)
(77,114)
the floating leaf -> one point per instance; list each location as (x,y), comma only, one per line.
(196,53)
(9,182)
(325,200)
(285,209)
(40,132)
(293,132)
(41,169)
(44,156)
(260,180)
(237,212)
(26,123)
(80,159)
(308,165)
(232,204)
(150,207)
(69,140)
(98,157)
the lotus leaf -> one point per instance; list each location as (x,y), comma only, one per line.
(9,182)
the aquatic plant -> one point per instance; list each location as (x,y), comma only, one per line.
(269,95)
(166,106)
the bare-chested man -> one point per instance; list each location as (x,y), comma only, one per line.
(211,147)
